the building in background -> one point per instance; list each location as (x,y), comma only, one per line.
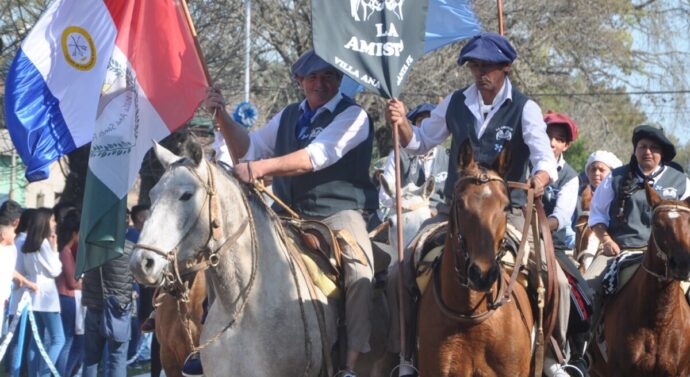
(12,182)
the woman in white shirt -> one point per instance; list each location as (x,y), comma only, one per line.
(42,265)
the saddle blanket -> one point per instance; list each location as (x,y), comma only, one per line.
(620,270)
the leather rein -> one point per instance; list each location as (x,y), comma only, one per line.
(663,255)
(504,293)
(203,257)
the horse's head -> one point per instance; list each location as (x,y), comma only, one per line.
(478,217)
(181,224)
(669,242)
(586,242)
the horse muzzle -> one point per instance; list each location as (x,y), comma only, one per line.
(679,267)
(147,267)
(482,280)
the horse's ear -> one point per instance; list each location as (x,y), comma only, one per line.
(165,157)
(466,156)
(194,151)
(502,162)
(428,188)
(586,198)
(653,197)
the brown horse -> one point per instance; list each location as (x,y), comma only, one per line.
(586,242)
(171,326)
(647,324)
(461,331)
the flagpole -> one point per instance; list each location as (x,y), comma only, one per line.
(197,45)
(247,46)
(399,237)
(499,4)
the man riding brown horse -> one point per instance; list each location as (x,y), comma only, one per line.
(492,115)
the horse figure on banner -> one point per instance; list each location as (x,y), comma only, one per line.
(466,328)
(264,318)
(586,242)
(647,323)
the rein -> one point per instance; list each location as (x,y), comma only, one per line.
(203,257)
(504,293)
(663,255)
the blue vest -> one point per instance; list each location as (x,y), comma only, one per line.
(551,194)
(341,186)
(505,126)
(633,229)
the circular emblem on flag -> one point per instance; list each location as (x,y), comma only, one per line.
(78,48)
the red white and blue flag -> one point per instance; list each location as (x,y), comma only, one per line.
(116,73)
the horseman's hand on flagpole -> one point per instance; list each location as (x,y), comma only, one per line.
(214,102)
(396,117)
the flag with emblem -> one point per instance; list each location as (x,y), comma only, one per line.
(373,42)
(117,73)
(53,85)
(153,84)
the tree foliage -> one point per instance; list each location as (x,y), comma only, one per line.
(581,57)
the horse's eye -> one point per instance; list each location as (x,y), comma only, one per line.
(185,196)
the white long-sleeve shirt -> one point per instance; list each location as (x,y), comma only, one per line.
(347,130)
(604,195)
(566,201)
(434,130)
(42,267)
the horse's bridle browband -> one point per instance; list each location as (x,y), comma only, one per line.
(659,251)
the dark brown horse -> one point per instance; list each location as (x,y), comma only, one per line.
(647,324)
(461,331)
(586,242)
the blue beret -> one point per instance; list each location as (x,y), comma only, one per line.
(488,47)
(423,108)
(309,63)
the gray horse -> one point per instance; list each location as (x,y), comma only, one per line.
(263,318)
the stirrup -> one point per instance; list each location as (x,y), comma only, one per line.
(409,365)
(192,366)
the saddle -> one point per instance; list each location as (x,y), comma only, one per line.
(321,249)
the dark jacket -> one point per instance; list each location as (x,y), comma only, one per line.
(118,282)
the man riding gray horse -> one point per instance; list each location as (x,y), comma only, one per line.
(318,152)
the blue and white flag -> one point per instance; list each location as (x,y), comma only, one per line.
(54,83)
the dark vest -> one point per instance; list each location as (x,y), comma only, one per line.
(412,171)
(633,229)
(504,127)
(550,198)
(341,186)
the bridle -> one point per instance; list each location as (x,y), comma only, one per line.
(203,257)
(663,255)
(482,178)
